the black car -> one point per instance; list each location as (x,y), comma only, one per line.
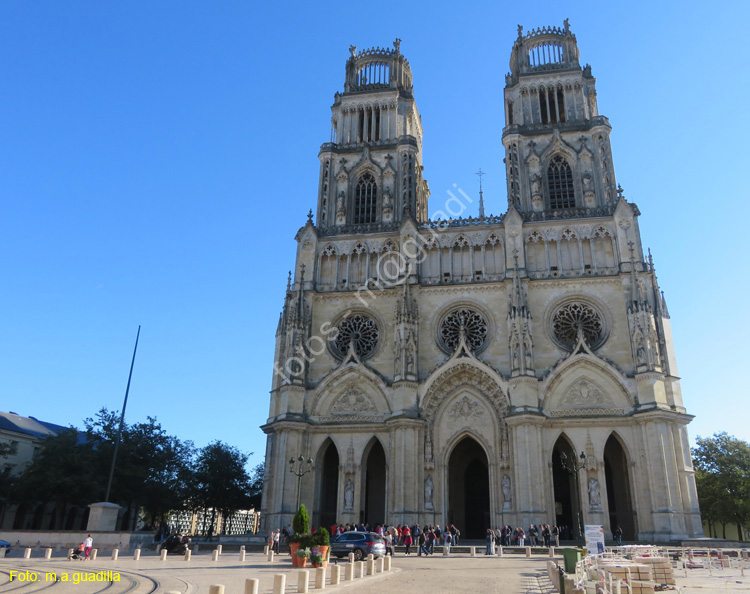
(359,543)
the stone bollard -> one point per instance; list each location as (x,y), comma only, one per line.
(215,555)
(163,555)
(70,554)
(27,553)
(94,553)
(370,556)
(188,554)
(251,586)
(136,554)
(551,552)
(115,554)
(270,556)
(379,565)
(387,563)
(360,568)
(335,575)
(58,548)
(528,552)
(196,548)
(351,557)
(349,572)
(303,580)
(279,583)
(216,589)
(48,553)
(500,551)
(370,565)
(320,578)
(473,551)
(242,555)
(265,550)
(445,551)
(172,592)
(219,548)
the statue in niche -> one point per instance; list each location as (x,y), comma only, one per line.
(387,199)
(536,185)
(340,207)
(595,498)
(587,182)
(349,494)
(397,357)
(429,487)
(409,360)
(506,488)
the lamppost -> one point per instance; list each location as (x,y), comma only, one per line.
(297,469)
(571,465)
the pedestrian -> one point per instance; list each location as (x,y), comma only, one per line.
(448,540)
(521,536)
(276,541)
(422,539)
(532,535)
(87,544)
(546,535)
(490,542)
(406,534)
(556,534)
(388,544)
(617,533)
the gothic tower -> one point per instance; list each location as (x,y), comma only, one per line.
(444,371)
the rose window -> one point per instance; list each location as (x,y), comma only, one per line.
(464,321)
(574,317)
(361,332)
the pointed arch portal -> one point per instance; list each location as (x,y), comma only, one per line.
(618,488)
(329,486)
(469,489)
(566,491)
(375,481)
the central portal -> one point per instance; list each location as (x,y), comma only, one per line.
(469,489)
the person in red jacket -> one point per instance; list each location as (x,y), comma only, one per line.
(406,532)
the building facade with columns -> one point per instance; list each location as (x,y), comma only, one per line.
(454,370)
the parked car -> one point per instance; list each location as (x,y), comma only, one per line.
(359,543)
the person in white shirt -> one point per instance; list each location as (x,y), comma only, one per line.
(87,544)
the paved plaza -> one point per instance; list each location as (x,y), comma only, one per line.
(459,573)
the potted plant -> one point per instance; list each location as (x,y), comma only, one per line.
(322,542)
(300,538)
(302,556)
(316,557)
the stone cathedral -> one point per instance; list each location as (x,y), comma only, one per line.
(452,370)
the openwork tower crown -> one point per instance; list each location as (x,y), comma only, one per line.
(377,68)
(543,49)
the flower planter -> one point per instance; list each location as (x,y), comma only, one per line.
(293,546)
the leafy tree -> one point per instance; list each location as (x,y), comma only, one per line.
(220,481)
(722,465)
(256,486)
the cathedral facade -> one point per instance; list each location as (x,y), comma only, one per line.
(479,371)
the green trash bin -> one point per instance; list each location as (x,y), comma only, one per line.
(571,556)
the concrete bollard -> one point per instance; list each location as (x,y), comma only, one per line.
(115,554)
(242,555)
(351,557)
(335,575)
(136,554)
(216,589)
(370,556)
(251,586)
(58,548)
(320,578)
(27,553)
(219,548)
(215,555)
(387,563)
(48,553)
(473,551)
(360,568)
(70,553)
(551,552)
(188,554)
(270,556)
(94,553)
(265,550)
(499,551)
(172,592)
(279,583)
(370,565)
(196,548)
(379,562)
(445,551)
(349,572)
(303,580)
(528,552)
(163,555)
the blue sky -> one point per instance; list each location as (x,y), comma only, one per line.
(159,157)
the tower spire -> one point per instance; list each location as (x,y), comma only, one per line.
(480,173)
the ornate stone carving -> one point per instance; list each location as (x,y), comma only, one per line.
(584,394)
(349,495)
(353,402)
(572,317)
(506,493)
(595,498)
(465,409)
(468,321)
(359,331)
(429,487)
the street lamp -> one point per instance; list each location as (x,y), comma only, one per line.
(296,467)
(572,466)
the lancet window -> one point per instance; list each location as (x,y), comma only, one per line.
(560,184)
(365,200)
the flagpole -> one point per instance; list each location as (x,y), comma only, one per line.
(122,418)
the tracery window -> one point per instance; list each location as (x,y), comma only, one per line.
(365,200)
(572,317)
(468,322)
(361,332)
(560,184)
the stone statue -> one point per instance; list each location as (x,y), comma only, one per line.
(340,203)
(506,487)
(409,358)
(429,487)
(535,185)
(387,200)
(586,181)
(349,494)
(353,50)
(595,497)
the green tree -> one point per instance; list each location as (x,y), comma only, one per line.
(722,465)
(220,481)
(256,486)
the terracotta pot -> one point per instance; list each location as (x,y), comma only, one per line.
(293,546)
(301,561)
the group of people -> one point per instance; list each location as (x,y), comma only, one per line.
(423,539)
(83,551)
(541,535)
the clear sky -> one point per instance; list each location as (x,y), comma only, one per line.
(157,159)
